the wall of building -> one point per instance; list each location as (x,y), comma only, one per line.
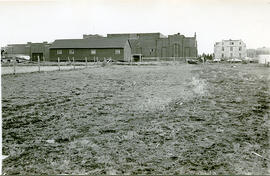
(162,47)
(190,47)
(146,42)
(264,58)
(80,54)
(38,49)
(29,49)
(127,52)
(158,45)
(251,53)
(16,49)
(177,46)
(263,50)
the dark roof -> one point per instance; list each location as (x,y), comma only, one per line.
(89,43)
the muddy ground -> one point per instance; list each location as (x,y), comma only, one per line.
(174,119)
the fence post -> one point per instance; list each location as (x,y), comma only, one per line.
(58,63)
(38,64)
(14,66)
(85,61)
(73,63)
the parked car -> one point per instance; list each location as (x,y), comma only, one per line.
(216,60)
(234,60)
(192,61)
(22,58)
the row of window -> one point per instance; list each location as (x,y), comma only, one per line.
(231,54)
(93,51)
(232,43)
(231,48)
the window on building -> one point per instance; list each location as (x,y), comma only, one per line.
(231,48)
(71,51)
(240,48)
(117,51)
(231,55)
(222,55)
(232,43)
(59,51)
(240,55)
(240,43)
(222,48)
(93,51)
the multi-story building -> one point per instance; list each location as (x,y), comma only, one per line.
(230,49)
(153,45)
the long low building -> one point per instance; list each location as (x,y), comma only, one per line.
(90,49)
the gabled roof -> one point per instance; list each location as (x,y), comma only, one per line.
(89,43)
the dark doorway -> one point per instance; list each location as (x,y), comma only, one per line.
(137,57)
(36,55)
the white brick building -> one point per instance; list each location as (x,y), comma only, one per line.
(228,49)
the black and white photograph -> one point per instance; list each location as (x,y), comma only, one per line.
(135,87)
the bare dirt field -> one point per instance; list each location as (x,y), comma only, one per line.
(170,119)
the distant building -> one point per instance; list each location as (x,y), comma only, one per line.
(229,49)
(15,49)
(256,53)
(263,50)
(40,50)
(251,53)
(33,50)
(86,36)
(91,48)
(151,45)
(264,59)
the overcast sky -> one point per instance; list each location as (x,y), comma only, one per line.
(212,20)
